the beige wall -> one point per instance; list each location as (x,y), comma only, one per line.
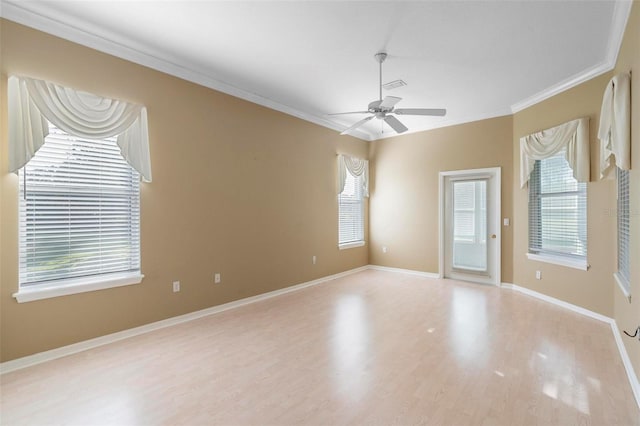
(404,200)
(222,199)
(627,314)
(238,189)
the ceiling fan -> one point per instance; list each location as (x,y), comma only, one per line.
(383,108)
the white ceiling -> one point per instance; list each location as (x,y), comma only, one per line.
(477,59)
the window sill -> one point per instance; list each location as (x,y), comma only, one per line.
(622,287)
(557,260)
(76,285)
(351,245)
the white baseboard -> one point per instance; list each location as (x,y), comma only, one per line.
(74,348)
(631,375)
(52,354)
(566,305)
(405,271)
(633,379)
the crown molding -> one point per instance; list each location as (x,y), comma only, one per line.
(621,12)
(448,123)
(22,15)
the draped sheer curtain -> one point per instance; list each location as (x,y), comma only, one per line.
(357,167)
(615,125)
(572,136)
(32,103)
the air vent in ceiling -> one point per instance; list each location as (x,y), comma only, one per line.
(394,84)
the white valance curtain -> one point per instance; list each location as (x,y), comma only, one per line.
(573,135)
(357,167)
(615,125)
(34,102)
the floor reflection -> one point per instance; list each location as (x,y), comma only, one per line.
(468,326)
(563,384)
(351,347)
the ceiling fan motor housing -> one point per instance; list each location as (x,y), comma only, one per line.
(374,108)
(380,57)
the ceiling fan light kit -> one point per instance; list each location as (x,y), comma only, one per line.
(383,109)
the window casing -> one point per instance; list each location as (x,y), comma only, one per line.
(623,273)
(351,212)
(557,213)
(79,214)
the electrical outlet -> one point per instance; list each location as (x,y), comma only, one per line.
(216,278)
(313,260)
(538,275)
(385,249)
(176,286)
(505,221)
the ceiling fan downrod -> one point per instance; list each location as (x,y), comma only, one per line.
(380,57)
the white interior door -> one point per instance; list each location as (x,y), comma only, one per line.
(470,225)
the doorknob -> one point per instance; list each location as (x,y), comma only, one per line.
(493,236)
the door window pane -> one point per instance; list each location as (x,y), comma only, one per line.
(470,225)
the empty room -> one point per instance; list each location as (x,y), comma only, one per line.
(319,212)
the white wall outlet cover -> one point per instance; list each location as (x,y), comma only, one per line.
(176,286)
(313,260)
(538,275)
(385,249)
(216,278)
(505,221)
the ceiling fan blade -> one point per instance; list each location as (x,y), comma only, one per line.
(389,101)
(350,112)
(420,111)
(358,124)
(395,124)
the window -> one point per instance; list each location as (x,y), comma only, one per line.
(351,212)
(470,211)
(470,224)
(557,213)
(623,276)
(79,216)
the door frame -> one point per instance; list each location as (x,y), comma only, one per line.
(496,205)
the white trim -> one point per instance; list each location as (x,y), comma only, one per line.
(18,12)
(633,379)
(631,375)
(621,12)
(405,271)
(503,112)
(486,172)
(154,60)
(621,286)
(52,354)
(160,62)
(346,246)
(558,260)
(562,86)
(76,285)
(562,303)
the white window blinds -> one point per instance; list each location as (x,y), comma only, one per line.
(470,211)
(623,228)
(557,210)
(79,211)
(351,210)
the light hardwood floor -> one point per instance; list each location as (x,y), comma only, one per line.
(375,347)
